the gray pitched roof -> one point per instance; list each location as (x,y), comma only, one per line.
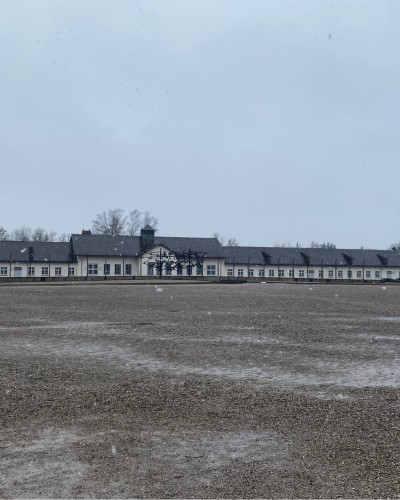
(104,245)
(311,256)
(210,246)
(130,245)
(99,245)
(18,251)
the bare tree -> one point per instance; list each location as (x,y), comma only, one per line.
(64,237)
(111,222)
(116,222)
(3,234)
(22,233)
(148,219)
(285,244)
(134,222)
(40,234)
(232,242)
(220,238)
(325,246)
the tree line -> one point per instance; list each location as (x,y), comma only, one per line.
(25,233)
(327,246)
(112,222)
(116,221)
(227,242)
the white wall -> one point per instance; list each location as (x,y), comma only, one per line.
(86,266)
(21,269)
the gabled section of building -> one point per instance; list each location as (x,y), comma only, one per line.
(103,255)
(36,259)
(179,256)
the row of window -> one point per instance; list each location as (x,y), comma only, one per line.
(302,273)
(93,269)
(44,271)
(210,270)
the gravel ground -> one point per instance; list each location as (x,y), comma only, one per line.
(206,391)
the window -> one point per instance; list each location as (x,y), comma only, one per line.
(230,272)
(188,270)
(168,269)
(71,271)
(281,273)
(271,273)
(93,269)
(330,273)
(211,270)
(251,272)
(240,272)
(311,273)
(340,274)
(179,269)
(301,273)
(389,274)
(359,274)
(150,269)
(3,271)
(377,274)
(31,271)
(321,273)
(290,273)
(261,273)
(367,274)
(349,274)
(45,271)
(199,269)
(106,268)
(117,269)
(57,271)
(128,268)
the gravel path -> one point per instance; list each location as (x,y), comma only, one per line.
(206,391)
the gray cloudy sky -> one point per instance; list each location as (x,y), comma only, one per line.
(267,120)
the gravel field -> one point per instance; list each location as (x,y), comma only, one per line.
(206,391)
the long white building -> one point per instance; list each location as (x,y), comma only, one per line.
(95,257)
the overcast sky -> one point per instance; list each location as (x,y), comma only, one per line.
(266,120)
